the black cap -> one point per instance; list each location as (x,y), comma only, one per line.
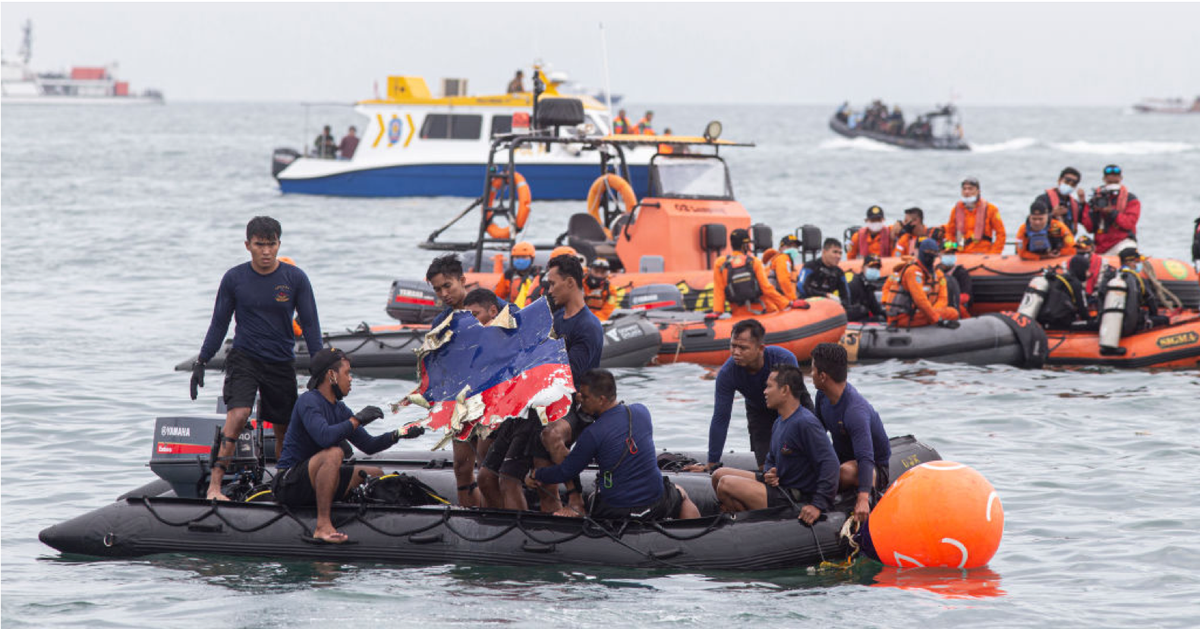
(789,239)
(1112,169)
(1129,253)
(1039,207)
(874,212)
(738,238)
(599,263)
(323,361)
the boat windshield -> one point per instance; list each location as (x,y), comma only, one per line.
(691,177)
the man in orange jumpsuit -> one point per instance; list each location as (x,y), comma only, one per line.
(974,223)
(783,266)
(741,280)
(915,295)
(875,237)
(598,294)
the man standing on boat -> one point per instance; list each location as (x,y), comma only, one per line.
(745,371)
(975,223)
(801,468)
(1112,214)
(311,471)
(349,144)
(621,124)
(874,237)
(644,125)
(517,84)
(1062,202)
(859,440)
(263,295)
(325,146)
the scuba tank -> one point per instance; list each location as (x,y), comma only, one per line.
(1112,317)
(1035,296)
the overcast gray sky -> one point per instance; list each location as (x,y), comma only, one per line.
(1002,54)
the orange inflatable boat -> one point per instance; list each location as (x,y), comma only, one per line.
(999,281)
(1173,346)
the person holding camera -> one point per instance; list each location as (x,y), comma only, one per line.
(1112,214)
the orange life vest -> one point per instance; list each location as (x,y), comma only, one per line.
(960,220)
(863,239)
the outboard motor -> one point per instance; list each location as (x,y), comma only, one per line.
(658,297)
(183,445)
(412,301)
(1112,318)
(1035,296)
(281,159)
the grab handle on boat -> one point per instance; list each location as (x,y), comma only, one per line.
(537,548)
(200,527)
(666,554)
(431,538)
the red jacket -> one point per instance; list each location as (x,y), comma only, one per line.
(1109,229)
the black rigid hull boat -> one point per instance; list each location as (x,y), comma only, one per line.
(166,516)
(1006,338)
(941,131)
(389,351)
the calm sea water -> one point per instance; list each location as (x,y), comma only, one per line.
(117,224)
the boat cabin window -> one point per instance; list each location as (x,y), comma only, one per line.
(501,124)
(451,127)
(690,177)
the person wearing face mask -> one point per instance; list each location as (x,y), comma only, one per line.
(1062,202)
(597,292)
(519,283)
(310,469)
(975,223)
(1112,214)
(782,265)
(915,294)
(958,280)
(912,230)
(875,237)
(860,303)
(1041,237)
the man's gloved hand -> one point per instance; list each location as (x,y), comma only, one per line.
(368,414)
(197,377)
(947,323)
(409,431)
(800,304)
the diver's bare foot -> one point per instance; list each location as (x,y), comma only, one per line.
(215,494)
(331,536)
(568,512)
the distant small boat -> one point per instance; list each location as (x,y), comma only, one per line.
(1168,106)
(82,85)
(939,129)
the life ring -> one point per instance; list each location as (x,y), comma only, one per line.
(524,196)
(597,191)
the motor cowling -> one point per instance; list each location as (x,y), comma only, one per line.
(281,159)
(411,301)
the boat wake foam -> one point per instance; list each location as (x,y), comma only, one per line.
(1123,148)
(860,143)
(1015,144)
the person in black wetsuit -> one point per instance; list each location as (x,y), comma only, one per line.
(822,277)
(861,303)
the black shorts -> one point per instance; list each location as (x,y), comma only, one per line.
(775,497)
(760,437)
(667,507)
(882,479)
(293,487)
(509,455)
(537,448)
(274,383)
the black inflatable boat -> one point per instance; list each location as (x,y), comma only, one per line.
(945,143)
(1007,338)
(389,351)
(165,516)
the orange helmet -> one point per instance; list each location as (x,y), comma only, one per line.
(563,250)
(287,260)
(523,248)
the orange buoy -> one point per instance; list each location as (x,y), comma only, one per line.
(938,514)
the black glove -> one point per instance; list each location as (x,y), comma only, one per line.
(409,431)
(197,377)
(946,323)
(368,415)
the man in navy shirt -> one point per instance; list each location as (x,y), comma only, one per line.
(745,372)
(801,467)
(859,439)
(445,275)
(263,295)
(621,441)
(310,469)
(583,334)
